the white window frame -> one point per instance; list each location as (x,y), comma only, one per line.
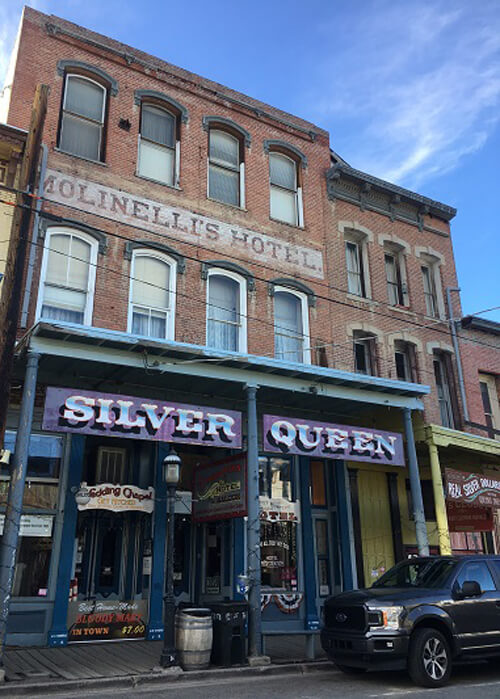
(240,169)
(361,241)
(242,282)
(79,116)
(94,248)
(402,347)
(306,350)
(433,263)
(394,251)
(155,254)
(176,148)
(299,206)
(367,341)
(445,403)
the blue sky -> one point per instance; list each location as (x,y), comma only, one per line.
(408,89)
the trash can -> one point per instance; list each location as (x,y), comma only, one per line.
(229,637)
(193,637)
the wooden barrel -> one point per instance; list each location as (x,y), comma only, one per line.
(193,638)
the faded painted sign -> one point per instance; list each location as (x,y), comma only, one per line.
(290,435)
(180,224)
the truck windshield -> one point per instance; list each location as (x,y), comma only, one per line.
(417,573)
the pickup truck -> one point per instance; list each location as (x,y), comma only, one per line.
(423,614)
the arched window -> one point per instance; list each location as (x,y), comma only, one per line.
(152,295)
(82,119)
(225,168)
(291,327)
(226,311)
(158,145)
(285,193)
(67,276)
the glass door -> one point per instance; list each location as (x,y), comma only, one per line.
(217,559)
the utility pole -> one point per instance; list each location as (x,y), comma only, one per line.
(11,296)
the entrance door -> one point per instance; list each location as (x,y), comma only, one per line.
(217,559)
(101,554)
(322,557)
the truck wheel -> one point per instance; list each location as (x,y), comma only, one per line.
(350,670)
(429,658)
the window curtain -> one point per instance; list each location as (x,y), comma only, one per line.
(82,118)
(392,279)
(223,313)
(224,177)
(288,337)
(157,145)
(150,296)
(353,269)
(283,177)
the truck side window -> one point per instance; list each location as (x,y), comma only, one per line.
(478,572)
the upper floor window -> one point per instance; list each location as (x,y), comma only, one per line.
(225,168)
(430,295)
(158,145)
(443,378)
(67,276)
(394,276)
(364,352)
(286,197)
(82,119)
(491,404)
(405,361)
(226,312)
(152,295)
(355,273)
(291,327)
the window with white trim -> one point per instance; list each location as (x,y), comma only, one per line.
(67,276)
(226,311)
(364,352)
(405,361)
(225,168)
(442,376)
(291,326)
(152,295)
(158,145)
(285,192)
(430,295)
(356,253)
(82,118)
(394,274)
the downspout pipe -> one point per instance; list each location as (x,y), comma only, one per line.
(34,238)
(456,347)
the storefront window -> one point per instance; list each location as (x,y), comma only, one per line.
(318,491)
(34,551)
(275,478)
(278,552)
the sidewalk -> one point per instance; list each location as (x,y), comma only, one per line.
(35,671)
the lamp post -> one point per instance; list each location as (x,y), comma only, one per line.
(171,474)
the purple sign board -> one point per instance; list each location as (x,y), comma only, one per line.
(290,435)
(114,415)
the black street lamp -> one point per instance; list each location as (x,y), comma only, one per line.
(171,474)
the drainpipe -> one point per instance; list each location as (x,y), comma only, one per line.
(12,521)
(415,486)
(34,239)
(456,347)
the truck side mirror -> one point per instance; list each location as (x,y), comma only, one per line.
(471,588)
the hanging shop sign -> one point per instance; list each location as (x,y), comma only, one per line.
(472,488)
(220,490)
(32,525)
(108,620)
(181,224)
(289,435)
(117,498)
(278,510)
(112,415)
(469,518)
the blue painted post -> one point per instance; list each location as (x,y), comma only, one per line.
(155,626)
(12,521)
(312,618)
(415,486)
(238,554)
(344,518)
(58,633)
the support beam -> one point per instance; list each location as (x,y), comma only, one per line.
(253,527)
(8,546)
(439,501)
(415,486)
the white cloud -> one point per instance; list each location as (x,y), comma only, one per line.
(415,88)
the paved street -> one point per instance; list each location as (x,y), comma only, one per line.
(468,681)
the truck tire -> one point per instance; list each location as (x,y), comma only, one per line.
(429,658)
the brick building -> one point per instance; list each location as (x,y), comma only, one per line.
(199,247)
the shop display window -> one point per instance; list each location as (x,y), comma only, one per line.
(275,478)
(31,574)
(278,553)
